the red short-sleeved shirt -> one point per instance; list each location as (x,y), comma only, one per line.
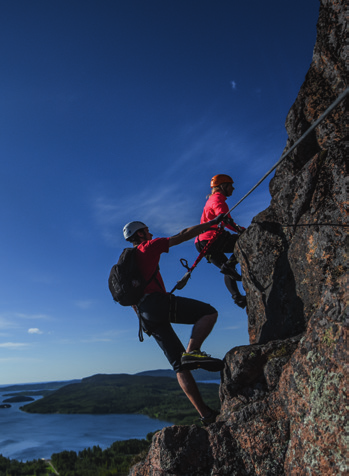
(148,257)
(215,205)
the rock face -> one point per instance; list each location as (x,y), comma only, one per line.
(283,397)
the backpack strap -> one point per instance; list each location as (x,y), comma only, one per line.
(140,330)
(153,275)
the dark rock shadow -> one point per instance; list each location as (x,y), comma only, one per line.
(284,309)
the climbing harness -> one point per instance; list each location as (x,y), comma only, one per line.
(182,282)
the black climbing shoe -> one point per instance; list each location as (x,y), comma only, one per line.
(210,418)
(198,359)
(240,301)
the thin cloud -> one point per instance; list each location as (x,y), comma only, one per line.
(84,304)
(160,212)
(95,340)
(233,84)
(34,330)
(206,144)
(6,323)
(31,316)
(13,345)
(108,336)
(19,359)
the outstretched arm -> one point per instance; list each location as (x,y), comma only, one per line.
(189,233)
(231,225)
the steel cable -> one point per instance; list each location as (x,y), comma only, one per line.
(311,128)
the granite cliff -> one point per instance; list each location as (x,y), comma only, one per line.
(283,397)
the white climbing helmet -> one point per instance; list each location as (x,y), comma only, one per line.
(131,228)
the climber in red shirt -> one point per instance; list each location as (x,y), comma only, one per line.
(158,310)
(222,188)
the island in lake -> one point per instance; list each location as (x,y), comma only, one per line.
(18,399)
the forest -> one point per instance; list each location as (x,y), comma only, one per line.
(159,398)
(12,467)
(117,459)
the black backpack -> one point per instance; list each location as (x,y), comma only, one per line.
(126,283)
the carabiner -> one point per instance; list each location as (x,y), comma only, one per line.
(184,263)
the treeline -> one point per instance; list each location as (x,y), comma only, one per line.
(12,467)
(117,459)
(159,398)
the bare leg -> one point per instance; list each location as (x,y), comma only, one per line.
(201,330)
(189,387)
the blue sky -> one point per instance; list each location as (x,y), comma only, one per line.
(121,110)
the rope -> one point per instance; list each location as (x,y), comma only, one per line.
(311,128)
(182,282)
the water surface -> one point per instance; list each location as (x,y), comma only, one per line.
(28,436)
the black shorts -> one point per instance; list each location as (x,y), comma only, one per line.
(159,310)
(225,243)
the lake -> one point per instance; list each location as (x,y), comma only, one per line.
(28,436)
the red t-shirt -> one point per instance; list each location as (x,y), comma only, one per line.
(148,257)
(214,206)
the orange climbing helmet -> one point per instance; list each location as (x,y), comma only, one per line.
(219,179)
